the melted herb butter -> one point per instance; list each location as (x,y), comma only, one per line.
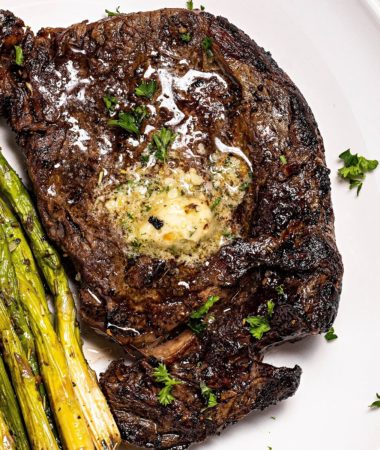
(194,210)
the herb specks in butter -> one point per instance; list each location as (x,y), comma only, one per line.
(166,211)
(156,222)
(215,203)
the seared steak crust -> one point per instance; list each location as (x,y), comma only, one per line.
(252,386)
(284,249)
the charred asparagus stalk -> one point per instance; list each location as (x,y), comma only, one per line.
(9,291)
(68,415)
(10,294)
(94,406)
(25,384)
(6,440)
(10,412)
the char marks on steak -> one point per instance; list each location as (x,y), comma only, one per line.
(280,244)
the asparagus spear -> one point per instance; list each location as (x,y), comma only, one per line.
(6,440)
(9,291)
(55,374)
(10,294)
(10,411)
(94,406)
(25,383)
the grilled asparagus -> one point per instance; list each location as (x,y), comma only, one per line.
(10,411)
(25,384)
(68,415)
(93,403)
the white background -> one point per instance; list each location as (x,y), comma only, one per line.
(331,50)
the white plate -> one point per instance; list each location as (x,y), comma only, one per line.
(330,48)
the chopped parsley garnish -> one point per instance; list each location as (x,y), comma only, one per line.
(186,37)
(280,290)
(162,140)
(110,102)
(131,121)
(207,46)
(113,13)
(144,159)
(161,375)
(244,186)
(259,325)
(283,159)
(19,55)
(270,306)
(190,5)
(196,317)
(208,395)
(376,403)
(136,244)
(205,308)
(330,335)
(355,169)
(146,89)
(215,203)
(197,326)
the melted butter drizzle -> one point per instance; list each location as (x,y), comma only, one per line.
(185,127)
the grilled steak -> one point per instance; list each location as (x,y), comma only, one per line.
(184,175)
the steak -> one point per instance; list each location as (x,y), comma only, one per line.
(183,174)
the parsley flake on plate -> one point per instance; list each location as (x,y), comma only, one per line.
(146,89)
(355,169)
(283,159)
(330,335)
(161,375)
(376,403)
(190,5)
